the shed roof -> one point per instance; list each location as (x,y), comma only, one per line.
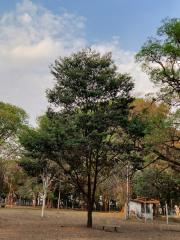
(144,200)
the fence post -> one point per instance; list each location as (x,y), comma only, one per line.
(145,211)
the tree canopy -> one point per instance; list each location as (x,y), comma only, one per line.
(12,119)
(90,101)
(160,59)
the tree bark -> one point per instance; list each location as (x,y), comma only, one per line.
(35,199)
(43,205)
(45,179)
(89,202)
(89,208)
(123,208)
(59,198)
(106,203)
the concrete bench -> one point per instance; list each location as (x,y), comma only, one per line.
(110,226)
(106,225)
(170,227)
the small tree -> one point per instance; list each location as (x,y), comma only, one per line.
(35,169)
(43,170)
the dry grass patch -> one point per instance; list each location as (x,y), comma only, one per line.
(27,224)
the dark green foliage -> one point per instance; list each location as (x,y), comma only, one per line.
(33,167)
(93,100)
(86,78)
(137,127)
(157,184)
(12,120)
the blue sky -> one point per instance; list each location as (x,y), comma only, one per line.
(35,32)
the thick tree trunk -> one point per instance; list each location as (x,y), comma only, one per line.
(49,203)
(35,199)
(89,208)
(90,197)
(89,203)
(123,208)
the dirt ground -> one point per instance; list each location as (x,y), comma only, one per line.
(27,224)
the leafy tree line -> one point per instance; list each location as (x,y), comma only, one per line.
(13,120)
(160,60)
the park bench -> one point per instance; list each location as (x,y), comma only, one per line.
(170,227)
(110,226)
(106,225)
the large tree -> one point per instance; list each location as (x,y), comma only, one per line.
(89,102)
(160,59)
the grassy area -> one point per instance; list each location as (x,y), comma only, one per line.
(26,224)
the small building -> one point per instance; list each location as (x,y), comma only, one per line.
(143,207)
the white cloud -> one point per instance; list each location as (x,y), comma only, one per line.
(25,18)
(31,23)
(33,37)
(27,6)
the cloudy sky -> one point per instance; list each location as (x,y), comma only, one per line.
(33,33)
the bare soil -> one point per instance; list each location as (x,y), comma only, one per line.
(27,224)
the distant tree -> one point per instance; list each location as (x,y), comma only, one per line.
(12,121)
(44,171)
(158,183)
(160,132)
(34,168)
(114,187)
(91,101)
